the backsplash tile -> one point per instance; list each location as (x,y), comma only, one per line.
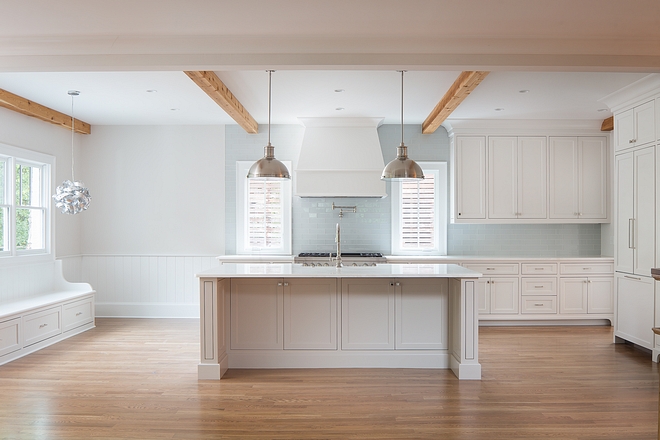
(368,230)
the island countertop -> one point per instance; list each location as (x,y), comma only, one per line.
(293,270)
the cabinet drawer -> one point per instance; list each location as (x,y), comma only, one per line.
(42,325)
(494,269)
(586,268)
(77,313)
(10,336)
(539,269)
(539,304)
(539,286)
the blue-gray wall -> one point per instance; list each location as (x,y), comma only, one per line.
(369,229)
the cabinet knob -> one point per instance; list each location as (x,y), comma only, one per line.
(279,284)
(79,313)
(286,284)
(459,213)
(398,284)
(43,325)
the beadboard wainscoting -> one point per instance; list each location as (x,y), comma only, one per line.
(20,281)
(148,286)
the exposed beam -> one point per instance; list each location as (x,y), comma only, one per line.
(462,87)
(608,124)
(218,91)
(31,108)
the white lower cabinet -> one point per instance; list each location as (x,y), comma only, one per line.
(635,309)
(310,313)
(498,295)
(421,307)
(256,314)
(367,314)
(586,295)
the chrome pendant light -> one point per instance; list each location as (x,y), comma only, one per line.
(402,167)
(71,197)
(268,167)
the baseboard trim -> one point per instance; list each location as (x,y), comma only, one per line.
(146,310)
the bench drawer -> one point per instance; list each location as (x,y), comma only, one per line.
(539,304)
(539,286)
(10,336)
(77,313)
(42,325)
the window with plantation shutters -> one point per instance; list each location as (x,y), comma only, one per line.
(419,212)
(263,213)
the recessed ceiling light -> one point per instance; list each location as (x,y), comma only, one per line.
(152,91)
(339,108)
(523,91)
(339,90)
(499,109)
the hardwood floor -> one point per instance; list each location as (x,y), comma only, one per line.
(137,379)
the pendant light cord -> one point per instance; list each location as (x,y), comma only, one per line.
(73,124)
(270,72)
(402,106)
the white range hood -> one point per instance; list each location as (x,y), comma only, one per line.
(340,157)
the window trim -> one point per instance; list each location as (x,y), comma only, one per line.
(12,156)
(440,248)
(242,247)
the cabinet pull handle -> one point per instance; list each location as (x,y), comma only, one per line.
(631,227)
(632,278)
(538,268)
(79,313)
(538,305)
(632,141)
(538,287)
(586,268)
(43,325)
(490,268)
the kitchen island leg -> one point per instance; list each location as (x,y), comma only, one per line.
(213,341)
(464,328)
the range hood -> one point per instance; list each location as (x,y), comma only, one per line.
(340,157)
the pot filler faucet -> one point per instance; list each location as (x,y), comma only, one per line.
(338,233)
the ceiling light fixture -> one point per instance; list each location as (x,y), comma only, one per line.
(268,167)
(402,167)
(72,197)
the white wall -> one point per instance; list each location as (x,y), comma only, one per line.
(156,190)
(32,134)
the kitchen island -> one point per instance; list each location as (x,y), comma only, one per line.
(294,316)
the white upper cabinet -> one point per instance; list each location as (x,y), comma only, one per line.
(635,127)
(470,177)
(517,177)
(578,178)
(530,179)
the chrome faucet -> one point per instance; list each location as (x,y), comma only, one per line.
(338,262)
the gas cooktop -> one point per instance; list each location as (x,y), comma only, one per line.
(343,255)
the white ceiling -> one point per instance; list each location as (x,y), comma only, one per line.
(567,54)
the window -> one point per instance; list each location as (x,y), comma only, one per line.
(24,202)
(419,212)
(263,213)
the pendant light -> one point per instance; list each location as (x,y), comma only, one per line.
(268,167)
(402,167)
(72,197)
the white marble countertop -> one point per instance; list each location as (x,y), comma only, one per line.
(404,259)
(270,270)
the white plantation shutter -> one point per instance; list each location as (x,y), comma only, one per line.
(418,214)
(265,213)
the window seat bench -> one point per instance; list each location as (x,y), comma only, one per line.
(38,308)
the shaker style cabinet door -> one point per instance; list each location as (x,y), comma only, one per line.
(310,313)
(256,314)
(470,177)
(367,316)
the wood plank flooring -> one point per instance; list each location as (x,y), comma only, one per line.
(137,379)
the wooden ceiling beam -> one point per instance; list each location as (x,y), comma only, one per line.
(218,91)
(462,87)
(608,124)
(30,108)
